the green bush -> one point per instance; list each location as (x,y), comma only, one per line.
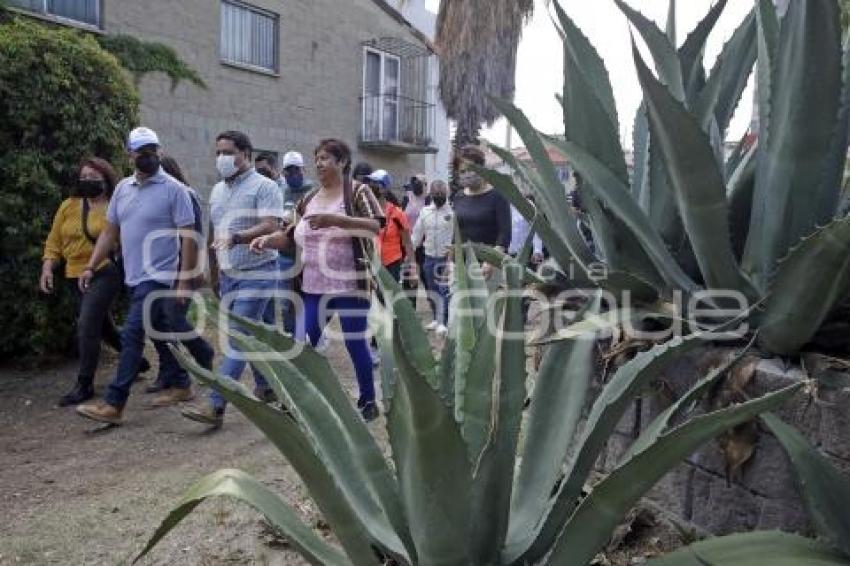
(62,97)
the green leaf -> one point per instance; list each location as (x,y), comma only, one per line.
(244,488)
(798,303)
(615,194)
(825,490)
(697,181)
(495,257)
(494,469)
(754,549)
(299,451)
(740,189)
(340,437)
(559,396)
(693,50)
(640,176)
(590,527)
(432,467)
(670,29)
(767,42)
(629,380)
(663,52)
(805,103)
(590,115)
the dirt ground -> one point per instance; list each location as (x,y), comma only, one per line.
(70,495)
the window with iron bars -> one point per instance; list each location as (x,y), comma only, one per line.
(249,36)
(79,11)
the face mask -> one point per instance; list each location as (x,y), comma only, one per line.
(294,180)
(147,163)
(226,165)
(90,188)
(471,179)
(439,200)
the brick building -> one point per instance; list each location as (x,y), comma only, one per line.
(286,72)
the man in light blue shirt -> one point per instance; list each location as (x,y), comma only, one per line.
(152,214)
(243,205)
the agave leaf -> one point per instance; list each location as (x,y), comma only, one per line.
(640,176)
(592,323)
(732,69)
(698,183)
(589,528)
(241,486)
(804,105)
(590,116)
(693,50)
(560,392)
(799,301)
(432,466)
(339,435)
(754,549)
(479,383)
(660,424)
(741,186)
(614,193)
(663,52)
(825,490)
(629,380)
(495,257)
(297,448)
(767,42)
(494,470)
(389,379)
(670,29)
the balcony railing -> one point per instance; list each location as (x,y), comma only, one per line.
(397,123)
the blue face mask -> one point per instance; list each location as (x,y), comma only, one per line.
(294,180)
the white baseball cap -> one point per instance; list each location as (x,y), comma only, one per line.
(141,137)
(382,177)
(293,158)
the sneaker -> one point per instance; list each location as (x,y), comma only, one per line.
(173,396)
(101,411)
(205,414)
(432,325)
(442,331)
(156,387)
(144,367)
(370,411)
(265,394)
(82,392)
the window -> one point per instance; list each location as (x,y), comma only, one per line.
(81,11)
(248,36)
(381,88)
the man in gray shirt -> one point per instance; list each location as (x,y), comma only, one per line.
(152,214)
(243,206)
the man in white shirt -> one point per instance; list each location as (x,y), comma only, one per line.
(520,228)
(434,230)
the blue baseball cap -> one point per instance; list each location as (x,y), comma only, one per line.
(381,177)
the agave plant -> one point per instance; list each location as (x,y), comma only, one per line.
(760,222)
(459,487)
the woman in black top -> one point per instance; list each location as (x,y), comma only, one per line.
(483,215)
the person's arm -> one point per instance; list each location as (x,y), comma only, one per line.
(212,259)
(503,222)
(358,225)
(276,240)
(52,251)
(418,231)
(266,225)
(188,260)
(105,243)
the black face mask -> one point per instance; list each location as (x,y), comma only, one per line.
(147,163)
(438,201)
(89,188)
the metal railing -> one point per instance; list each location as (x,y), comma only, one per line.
(390,119)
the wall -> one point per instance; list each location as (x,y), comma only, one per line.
(316,94)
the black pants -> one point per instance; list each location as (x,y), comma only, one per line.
(94,322)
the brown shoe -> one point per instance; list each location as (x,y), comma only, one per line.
(204,413)
(173,396)
(101,411)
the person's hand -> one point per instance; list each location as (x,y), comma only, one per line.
(319,221)
(84,281)
(222,243)
(45,282)
(184,289)
(486,270)
(259,243)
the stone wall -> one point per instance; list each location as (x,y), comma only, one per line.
(315,93)
(764,494)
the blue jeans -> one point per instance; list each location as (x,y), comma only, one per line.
(282,306)
(248,295)
(434,269)
(170,372)
(353,311)
(165,316)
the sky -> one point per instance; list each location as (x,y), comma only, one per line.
(540,58)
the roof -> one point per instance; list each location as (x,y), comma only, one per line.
(555,155)
(395,14)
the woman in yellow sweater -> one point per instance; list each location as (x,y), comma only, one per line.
(76,226)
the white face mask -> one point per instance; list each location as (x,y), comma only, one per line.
(226,165)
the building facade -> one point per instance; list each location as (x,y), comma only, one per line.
(286,72)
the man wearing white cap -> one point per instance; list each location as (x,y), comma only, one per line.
(152,214)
